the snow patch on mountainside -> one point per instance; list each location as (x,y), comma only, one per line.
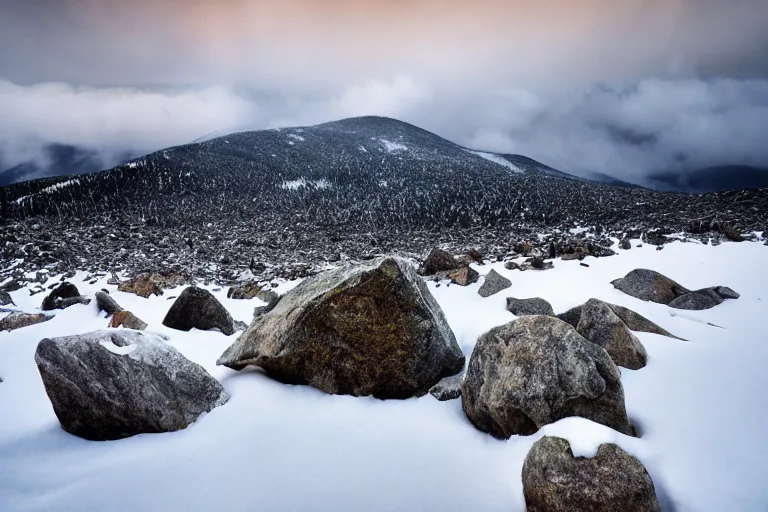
(497,159)
(393,147)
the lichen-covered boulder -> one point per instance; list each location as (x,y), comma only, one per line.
(359,330)
(533,306)
(19,320)
(537,370)
(197,308)
(556,481)
(114,384)
(649,285)
(600,325)
(493,284)
(439,260)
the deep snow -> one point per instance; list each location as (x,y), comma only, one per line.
(701,407)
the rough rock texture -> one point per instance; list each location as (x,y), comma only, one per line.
(572,316)
(128,320)
(625,244)
(107,304)
(533,306)
(447,389)
(114,384)
(439,260)
(493,284)
(63,296)
(358,330)
(197,308)
(556,481)
(649,285)
(600,325)
(463,276)
(637,322)
(18,320)
(5,299)
(537,370)
(143,285)
(245,291)
(697,300)
(726,293)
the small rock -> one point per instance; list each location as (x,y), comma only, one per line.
(197,308)
(625,244)
(245,291)
(525,307)
(439,261)
(107,304)
(556,481)
(463,276)
(128,320)
(584,264)
(493,283)
(447,389)
(18,320)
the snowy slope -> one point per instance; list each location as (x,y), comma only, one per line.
(701,407)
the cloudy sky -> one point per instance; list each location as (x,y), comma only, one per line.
(624,87)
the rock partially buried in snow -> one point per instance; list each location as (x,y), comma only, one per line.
(556,481)
(358,330)
(19,320)
(649,285)
(5,299)
(128,320)
(110,385)
(537,370)
(600,325)
(525,307)
(106,303)
(493,284)
(447,389)
(706,298)
(197,308)
(62,297)
(634,321)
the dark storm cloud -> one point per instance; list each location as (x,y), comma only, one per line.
(624,88)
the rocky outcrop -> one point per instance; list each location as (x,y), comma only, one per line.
(144,285)
(600,325)
(533,306)
(651,286)
(537,370)
(63,296)
(439,260)
(114,384)
(359,330)
(556,481)
(19,320)
(197,308)
(493,284)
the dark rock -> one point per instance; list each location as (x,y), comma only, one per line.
(447,389)
(552,251)
(197,308)
(359,330)
(572,316)
(128,320)
(525,307)
(107,304)
(537,370)
(649,285)
(5,299)
(540,264)
(439,261)
(475,256)
(110,385)
(113,280)
(726,293)
(493,284)
(18,320)
(556,481)
(600,325)
(12,286)
(625,244)
(57,299)
(697,300)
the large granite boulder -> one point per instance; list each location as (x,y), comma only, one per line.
(439,260)
(63,296)
(115,384)
(373,329)
(493,284)
(533,306)
(556,481)
(197,308)
(600,325)
(649,285)
(537,370)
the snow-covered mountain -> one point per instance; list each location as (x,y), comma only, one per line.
(358,172)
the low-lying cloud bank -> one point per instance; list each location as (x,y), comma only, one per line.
(626,131)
